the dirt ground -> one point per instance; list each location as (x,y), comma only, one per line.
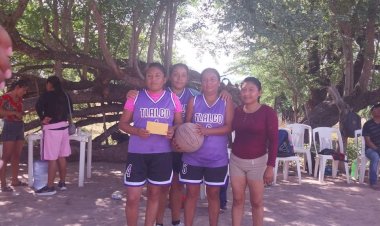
(333,203)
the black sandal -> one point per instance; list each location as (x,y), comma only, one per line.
(7,189)
(20,183)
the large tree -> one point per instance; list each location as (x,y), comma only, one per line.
(327,47)
(97,48)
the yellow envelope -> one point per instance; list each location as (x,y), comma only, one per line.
(157,128)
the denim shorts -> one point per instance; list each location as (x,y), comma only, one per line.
(12,131)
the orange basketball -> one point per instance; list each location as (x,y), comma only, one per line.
(187,138)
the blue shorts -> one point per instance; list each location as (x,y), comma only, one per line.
(155,168)
(13,131)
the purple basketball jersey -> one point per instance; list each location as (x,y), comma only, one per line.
(146,109)
(184,99)
(213,152)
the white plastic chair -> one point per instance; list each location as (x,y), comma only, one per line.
(326,137)
(361,159)
(300,146)
(285,167)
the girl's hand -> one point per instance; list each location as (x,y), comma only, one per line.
(132,94)
(201,130)
(18,115)
(170,133)
(175,145)
(225,95)
(143,133)
(268,175)
(46,120)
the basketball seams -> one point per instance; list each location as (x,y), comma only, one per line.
(187,138)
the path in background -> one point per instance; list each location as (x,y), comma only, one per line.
(333,203)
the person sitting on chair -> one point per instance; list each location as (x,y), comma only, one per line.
(371,133)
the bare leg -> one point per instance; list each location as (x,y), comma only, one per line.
(213,204)
(238,192)
(6,157)
(132,205)
(256,190)
(152,204)
(176,192)
(62,168)
(15,162)
(162,204)
(192,194)
(52,169)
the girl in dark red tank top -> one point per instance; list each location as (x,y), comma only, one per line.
(253,151)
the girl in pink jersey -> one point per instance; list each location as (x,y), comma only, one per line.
(149,155)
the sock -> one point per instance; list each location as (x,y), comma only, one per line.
(176,222)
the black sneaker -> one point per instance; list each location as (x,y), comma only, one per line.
(62,186)
(45,191)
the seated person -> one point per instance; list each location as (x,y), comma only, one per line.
(371,133)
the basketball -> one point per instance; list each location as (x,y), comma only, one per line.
(187,138)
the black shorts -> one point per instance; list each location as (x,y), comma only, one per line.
(177,162)
(216,176)
(13,131)
(156,168)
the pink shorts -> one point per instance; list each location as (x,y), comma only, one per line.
(56,141)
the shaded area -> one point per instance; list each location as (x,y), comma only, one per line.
(332,203)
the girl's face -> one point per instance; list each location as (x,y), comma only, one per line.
(20,91)
(210,83)
(155,79)
(179,78)
(249,93)
(49,87)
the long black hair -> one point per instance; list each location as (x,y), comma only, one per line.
(55,82)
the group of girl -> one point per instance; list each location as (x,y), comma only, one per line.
(151,160)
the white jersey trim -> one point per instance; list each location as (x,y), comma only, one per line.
(158,100)
(161,182)
(204,99)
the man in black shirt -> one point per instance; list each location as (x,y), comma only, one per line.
(371,133)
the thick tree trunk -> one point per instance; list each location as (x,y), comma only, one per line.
(102,41)
(153,32)
(369,48)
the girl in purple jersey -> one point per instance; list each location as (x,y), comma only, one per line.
(178,79)
(209,164)
(149,155)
